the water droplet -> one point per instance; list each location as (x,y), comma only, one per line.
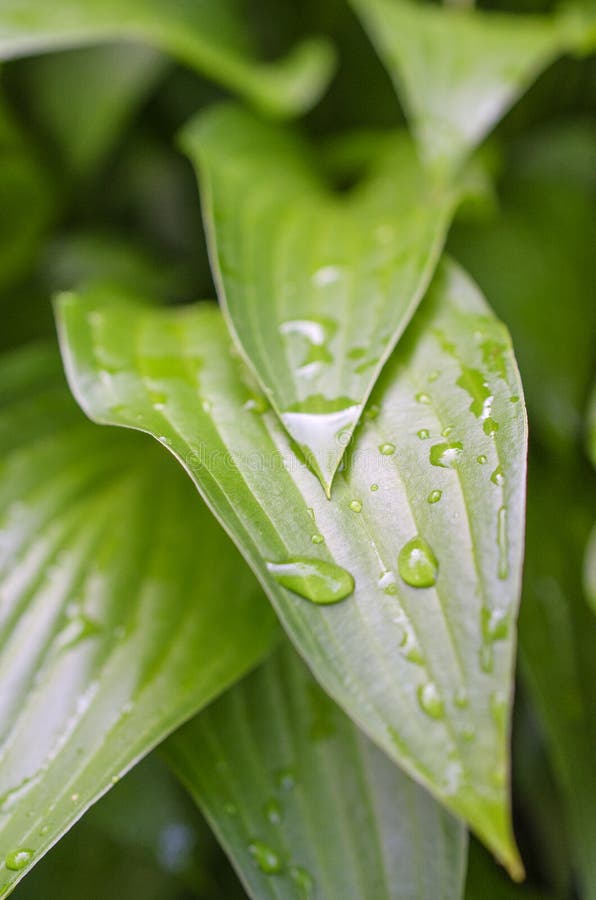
(447,431)
(44,830)
(498,476)
(490,427)
(481,460)
(433,376)
(355,506)
(487,660)
(502,543)
(74,798)
(495,624)
(474,382)
(387,449)
(388,584)
(430,700)
(286,780)
(314,579)
(257,403)
(18,859)
(446,455)
(265,857)
(374,488)
(327,275)
(422,398)
(303,881)
(372,412)
(272,812)
(423,434)
(514,399)
(417,564)
(434,496)
(498,708)
(318,539)
(461,699)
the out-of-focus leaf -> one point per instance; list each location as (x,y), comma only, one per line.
(485,881)
(305,805)
(210,37)
(591,426)
(432,494)
(537,266)
(557,641)
(317,287)
(81,100)
(457,70)
(115,626)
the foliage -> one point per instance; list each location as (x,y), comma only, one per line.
(302,607)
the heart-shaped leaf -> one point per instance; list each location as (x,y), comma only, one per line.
(115,625)
(210,37)
(457,70)
(425,525)
(317,286)
(305,805)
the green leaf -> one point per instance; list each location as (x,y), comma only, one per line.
(426,672)
(113,627)
(317,287)
(485,880)
(210,37)
(557,640)
(591,426)
(305,805)
(457,70)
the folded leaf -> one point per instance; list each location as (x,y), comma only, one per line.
(457,70)
(115,626)
(210,37)
(425,524)
(305,805)
(317,286)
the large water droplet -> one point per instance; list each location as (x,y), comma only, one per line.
(265,857)
(314,579)
(18,859)
(474,382)
(430,700)
(446,455)
(417,564)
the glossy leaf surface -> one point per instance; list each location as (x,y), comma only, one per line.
(210,37)
(317,286)
(115,626)
(305,805)
(434,481)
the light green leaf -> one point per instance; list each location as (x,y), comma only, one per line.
(207,36)
(115,625)
(317,287)
(305,805)
(457,70)
(427,673)
(557,641)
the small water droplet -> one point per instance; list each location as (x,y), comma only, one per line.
(434,496)
(481,460)
(303,881)
(314,579)
(355,506)
(422,398)
(372,412)
(461,699)
(318,539)
(374,488)
(327,275)
(498,476)
(417,564)
(387,449)
(18,859)
(498,708)
(447,431)
(430,700)
(433,376)
(490,427)
(514,399)
(495,624)
(446,455)
(502,543)
(272,812)
(423,434)
(286,780)
(265,857)
(256,403)
(487,658)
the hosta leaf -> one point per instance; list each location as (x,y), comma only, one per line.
(115,624)
(317,286)
(457,70)
(305,805)
(557,641)
(210,37)
(440,456)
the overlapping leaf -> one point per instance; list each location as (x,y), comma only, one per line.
(457,70)
(210,37)
(317,287)
(305,805)
(115,626)
(432,492)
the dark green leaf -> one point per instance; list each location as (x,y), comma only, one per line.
(115,625)
(432,493)
(305,805)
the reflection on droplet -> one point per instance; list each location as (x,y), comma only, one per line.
(314,579)
(430,700)
(417,564)
(446,455)
(18,859)
(265,857)
(387,449)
